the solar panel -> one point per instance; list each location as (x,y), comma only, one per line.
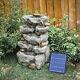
(58,62)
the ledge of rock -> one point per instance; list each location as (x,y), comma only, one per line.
(25,29)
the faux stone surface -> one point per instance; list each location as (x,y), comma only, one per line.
(24,58)
(39,60)
(34,50)
(32,38)
(39,50)
(25,45)
(44,37)
(32,19)
(41,29)
(26,29)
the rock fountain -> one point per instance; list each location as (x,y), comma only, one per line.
(34,50)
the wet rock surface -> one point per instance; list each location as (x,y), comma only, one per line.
(34,50)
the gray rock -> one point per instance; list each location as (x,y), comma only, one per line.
(31,19)
(30,25)
(32,38)
(24,58)
(39,50)
(26,29)
(39,61)
(25,17)
(44,37)
(35,19)
(44,19)
(25,45)
(42,29)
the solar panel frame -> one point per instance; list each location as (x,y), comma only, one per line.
(51,62)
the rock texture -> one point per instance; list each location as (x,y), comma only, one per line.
(34,50)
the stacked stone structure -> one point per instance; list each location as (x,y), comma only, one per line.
(34,50)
